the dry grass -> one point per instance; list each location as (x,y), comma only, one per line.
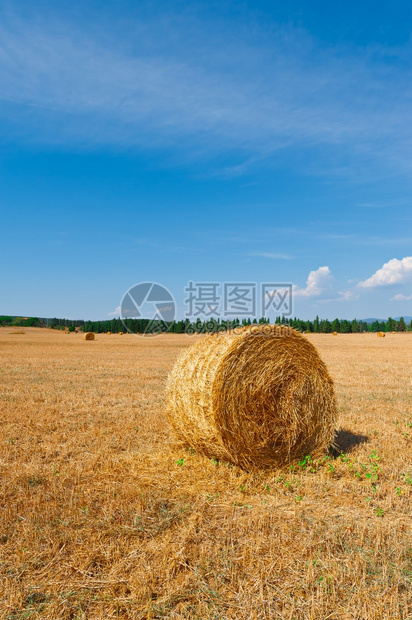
(102,517)
(257,397)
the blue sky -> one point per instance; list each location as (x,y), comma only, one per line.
(211,141)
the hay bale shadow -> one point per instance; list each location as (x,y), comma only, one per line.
(345,441)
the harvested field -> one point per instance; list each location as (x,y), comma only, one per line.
(104,515)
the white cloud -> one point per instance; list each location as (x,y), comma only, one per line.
(394,271)
(116,312)
(401,297)
(319,281)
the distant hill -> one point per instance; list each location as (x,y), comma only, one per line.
(407,319)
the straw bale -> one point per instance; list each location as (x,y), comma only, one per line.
(335,333)
(381,334)
(89,336)
(257,397)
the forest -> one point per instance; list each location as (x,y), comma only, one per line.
(148,326)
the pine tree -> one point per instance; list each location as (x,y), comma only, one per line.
(336,325)
(345,327)
(401,325)
(391,324)
(327,326)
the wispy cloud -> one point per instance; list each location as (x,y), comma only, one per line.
(116,312)
(348,295)
(314,231)
(272,255)
(258,95)
(401,297)
(382,205)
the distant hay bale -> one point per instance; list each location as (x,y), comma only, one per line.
(256,397)
(120,333)
(108,332)
(335,333)
(89,336)
(381,334)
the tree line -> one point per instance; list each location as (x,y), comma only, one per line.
(186,326)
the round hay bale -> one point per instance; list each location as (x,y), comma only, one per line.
(89,336)
(381,334)
(335,333)
(120,333)
(257,397)
(108,333)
